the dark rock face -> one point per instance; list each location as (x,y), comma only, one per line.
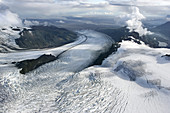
(133,69)
(167,56)
(45,37)
(104,55)
(3,29)
(29,65)
(16,29)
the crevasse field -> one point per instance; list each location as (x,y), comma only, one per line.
(135,79)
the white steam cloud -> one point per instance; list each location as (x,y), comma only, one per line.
(135,24)
(7,18)
(31,23)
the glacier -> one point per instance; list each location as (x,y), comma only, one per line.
(18,90)
(135,79)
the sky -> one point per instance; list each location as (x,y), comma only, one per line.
(80,8)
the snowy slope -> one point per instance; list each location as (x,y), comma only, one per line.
(134,80)
(150,89)
(7,39)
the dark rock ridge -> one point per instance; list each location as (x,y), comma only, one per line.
(3,29)
(167,56)
(104,55)
(29,65)
(45,37)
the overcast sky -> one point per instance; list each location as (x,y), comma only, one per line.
(79,8)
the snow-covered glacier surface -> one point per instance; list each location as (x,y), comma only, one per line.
(135,79)
(37,91)
(142,75)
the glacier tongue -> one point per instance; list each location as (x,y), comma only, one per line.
(39,90)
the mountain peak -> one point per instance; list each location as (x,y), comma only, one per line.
(164,26)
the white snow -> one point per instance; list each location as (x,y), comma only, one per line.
(8,37)
(150,91)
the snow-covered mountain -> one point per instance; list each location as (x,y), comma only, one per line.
(7,39)
(134,79)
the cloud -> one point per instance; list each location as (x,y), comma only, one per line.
(153,3)
(65,8)
(140,2)
(8,18)
(135,24)
(54,9)
(149,8)
(42,1)
(30,23)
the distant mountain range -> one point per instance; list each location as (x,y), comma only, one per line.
(161,34)
(38,37)
(164,29)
